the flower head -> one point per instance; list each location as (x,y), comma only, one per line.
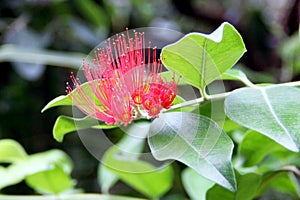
(123,82)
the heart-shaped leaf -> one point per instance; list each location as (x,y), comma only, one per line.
(273,111)
(201,58)
(195,141)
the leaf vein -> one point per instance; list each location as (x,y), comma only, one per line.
(274,114)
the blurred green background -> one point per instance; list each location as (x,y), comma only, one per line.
(42,40)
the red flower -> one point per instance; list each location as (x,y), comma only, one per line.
(123,86)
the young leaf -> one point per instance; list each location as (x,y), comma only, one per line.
(273,111)
(63,100)
(11,151)
(64,125)
(236,75)
(201,58)
(195,141)
(192,181)
(51,181)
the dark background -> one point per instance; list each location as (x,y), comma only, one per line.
(78,26)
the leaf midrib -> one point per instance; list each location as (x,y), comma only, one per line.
(267,100)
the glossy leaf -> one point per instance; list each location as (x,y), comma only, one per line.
(273,111)
(51,181)
(64,125)
(195,141)
(195,185)
(11,151)
(201,58)
(247,187)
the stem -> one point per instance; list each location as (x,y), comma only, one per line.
(293,169)
(220,96)
(199,100)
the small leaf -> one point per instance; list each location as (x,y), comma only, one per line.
(64,125)
(195,141)
(273,111)
(62,100)
(11,151)
(192,181)
(236,75)
(51,181)
(65,100)
(201,58)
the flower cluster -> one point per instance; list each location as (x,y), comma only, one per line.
(124,82)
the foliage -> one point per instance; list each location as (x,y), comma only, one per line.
(199,142)
(256,141)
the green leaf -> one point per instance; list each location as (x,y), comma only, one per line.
(236,75)
(64,125)
(123,160)
(251,151)
(67,197)
(247,187)
(168,76)
(279,160)
(192,181)
(273,111)
(63,100)
(51,181)
(11,151)
(201,58)
(284,182)
(66,100)
(195,141)
(34,163)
